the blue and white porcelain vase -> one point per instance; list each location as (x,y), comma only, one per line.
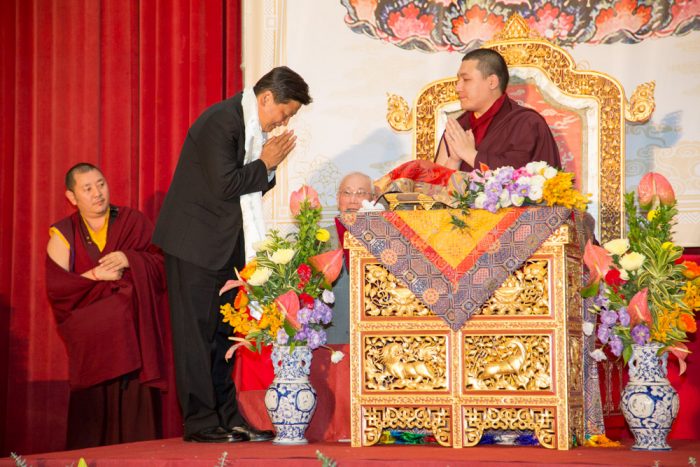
(290,399)
(649,402)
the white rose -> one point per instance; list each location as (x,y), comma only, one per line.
(480,200)
(550,172)
(260,276)
(328,297)
(282,256)
(588,328)
(262,245)
(618,246)
(504,199)
(255,310)
(535,167)
(624,275)
(535,193)
(517,200)
(632,261)
(598,355)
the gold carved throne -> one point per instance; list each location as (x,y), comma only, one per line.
(517,363)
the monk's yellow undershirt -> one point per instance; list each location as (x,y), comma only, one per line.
(99,236)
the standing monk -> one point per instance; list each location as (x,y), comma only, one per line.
(106,285)
(210,217)
(494,130)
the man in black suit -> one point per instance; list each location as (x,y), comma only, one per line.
(227,161)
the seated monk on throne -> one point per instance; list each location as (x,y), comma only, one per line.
(494,130)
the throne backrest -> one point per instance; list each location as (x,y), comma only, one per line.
(584,109)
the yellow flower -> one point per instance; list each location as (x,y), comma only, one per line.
(617,247)
(560,190)
(282,256)
(652,214)
(322,235)
(667,245)
(632,261)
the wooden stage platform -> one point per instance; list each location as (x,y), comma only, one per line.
(176,453)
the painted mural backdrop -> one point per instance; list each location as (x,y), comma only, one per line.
(459,25)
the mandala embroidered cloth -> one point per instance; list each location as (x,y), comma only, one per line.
(454,271)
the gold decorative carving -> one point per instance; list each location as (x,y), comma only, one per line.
(641,104)
(438,420)
(405,363)
(515,28)
(575,364)
(574,302)
(525,292)
(385,295)
(540,420)
(576,429)
(398,114)
(510,363)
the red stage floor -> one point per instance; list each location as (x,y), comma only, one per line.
(174,452)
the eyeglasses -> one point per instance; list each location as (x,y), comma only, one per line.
(358,193)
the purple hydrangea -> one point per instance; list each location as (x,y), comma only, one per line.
(608,317)
(301,334)
(604,334)
(304,315)
(640,334)
(616,345)
(315,338)
(322,312)
(624,316)
(282,337)
(601,300)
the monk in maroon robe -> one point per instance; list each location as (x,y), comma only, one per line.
(494,130)
(106,285)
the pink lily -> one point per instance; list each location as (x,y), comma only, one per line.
(329,264)
(304,193)
(638,308)
(653,189)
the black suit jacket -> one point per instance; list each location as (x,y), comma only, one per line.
(200,221)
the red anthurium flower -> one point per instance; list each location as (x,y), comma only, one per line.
(655,188)
(304,193)
(598,262)
(680,351)
(288,304)
(329,264)
(639,308)
(306,300)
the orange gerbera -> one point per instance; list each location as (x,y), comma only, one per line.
(241,300)
(687,323)
(249,269)
(692,269)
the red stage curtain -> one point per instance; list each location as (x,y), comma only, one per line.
(112,82)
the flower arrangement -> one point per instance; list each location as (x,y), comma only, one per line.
(536,183)
(284,293)
(641,294)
